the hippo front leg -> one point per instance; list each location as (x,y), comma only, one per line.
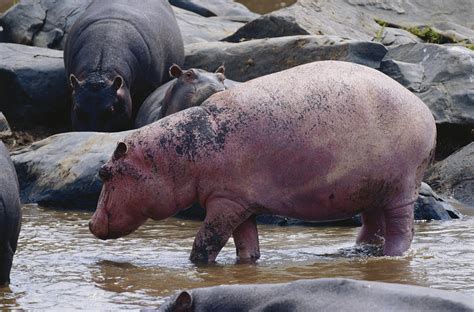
(246,240)
(223,216)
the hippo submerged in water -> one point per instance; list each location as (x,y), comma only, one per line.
(116,54)
(321,141)
(10,214)
(190,88)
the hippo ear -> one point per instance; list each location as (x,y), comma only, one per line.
(118,83)
(120,151)
(73,81)
(221,70)
(183,303)
(175,71)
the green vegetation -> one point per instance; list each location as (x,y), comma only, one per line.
(426,33)
(429,35)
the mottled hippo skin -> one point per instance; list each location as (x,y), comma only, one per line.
(190,88)
(10,214)
(116,54)
(321,141)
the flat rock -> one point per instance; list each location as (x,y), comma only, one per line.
(33,88)
(454,176)
(327,294)
(395,36)
(440,75)
(251,59)
(195,28)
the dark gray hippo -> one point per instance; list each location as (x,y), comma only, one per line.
(190,88)
(10,214)
(325,294)
(116,54)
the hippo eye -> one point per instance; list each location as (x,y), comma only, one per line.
(221,77)
(105,174)
(190,74)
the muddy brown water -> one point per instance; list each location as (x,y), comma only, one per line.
(60,265)
(265,6)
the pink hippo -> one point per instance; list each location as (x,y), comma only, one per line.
(320,141)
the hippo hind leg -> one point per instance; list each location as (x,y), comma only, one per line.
(398,230)
(373,227)
(246,240)
(391,227)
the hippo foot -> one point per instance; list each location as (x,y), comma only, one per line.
(391,227)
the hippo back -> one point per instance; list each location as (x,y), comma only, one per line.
(10,213)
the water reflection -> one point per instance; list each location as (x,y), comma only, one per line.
(60,265)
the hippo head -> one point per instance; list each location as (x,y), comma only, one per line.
(131,191)
(100,104)
(192,87)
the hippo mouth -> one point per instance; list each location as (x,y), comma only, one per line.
(99,226)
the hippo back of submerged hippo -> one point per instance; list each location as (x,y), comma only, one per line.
(10,214)
(321,141)
(116,54)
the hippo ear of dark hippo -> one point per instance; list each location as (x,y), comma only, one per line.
(183,302)
(74,82)
(220,70)
(175,71)
(120,151)
(118,83)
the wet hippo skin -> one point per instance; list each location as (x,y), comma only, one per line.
(116,54)
(321,141)
(10,214)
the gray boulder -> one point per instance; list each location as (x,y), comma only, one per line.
(46,23)
(355,19)
(308,17)
(251,59)
(61,171)
(430,206)
(5,130)
(33,88)
(440,75)
(454,176)
(43,23)
(327,294)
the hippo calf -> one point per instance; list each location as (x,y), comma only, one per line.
(321,141)
(190,88)
(116,54)
(10,214)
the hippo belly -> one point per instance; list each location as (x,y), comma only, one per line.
(10,214)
